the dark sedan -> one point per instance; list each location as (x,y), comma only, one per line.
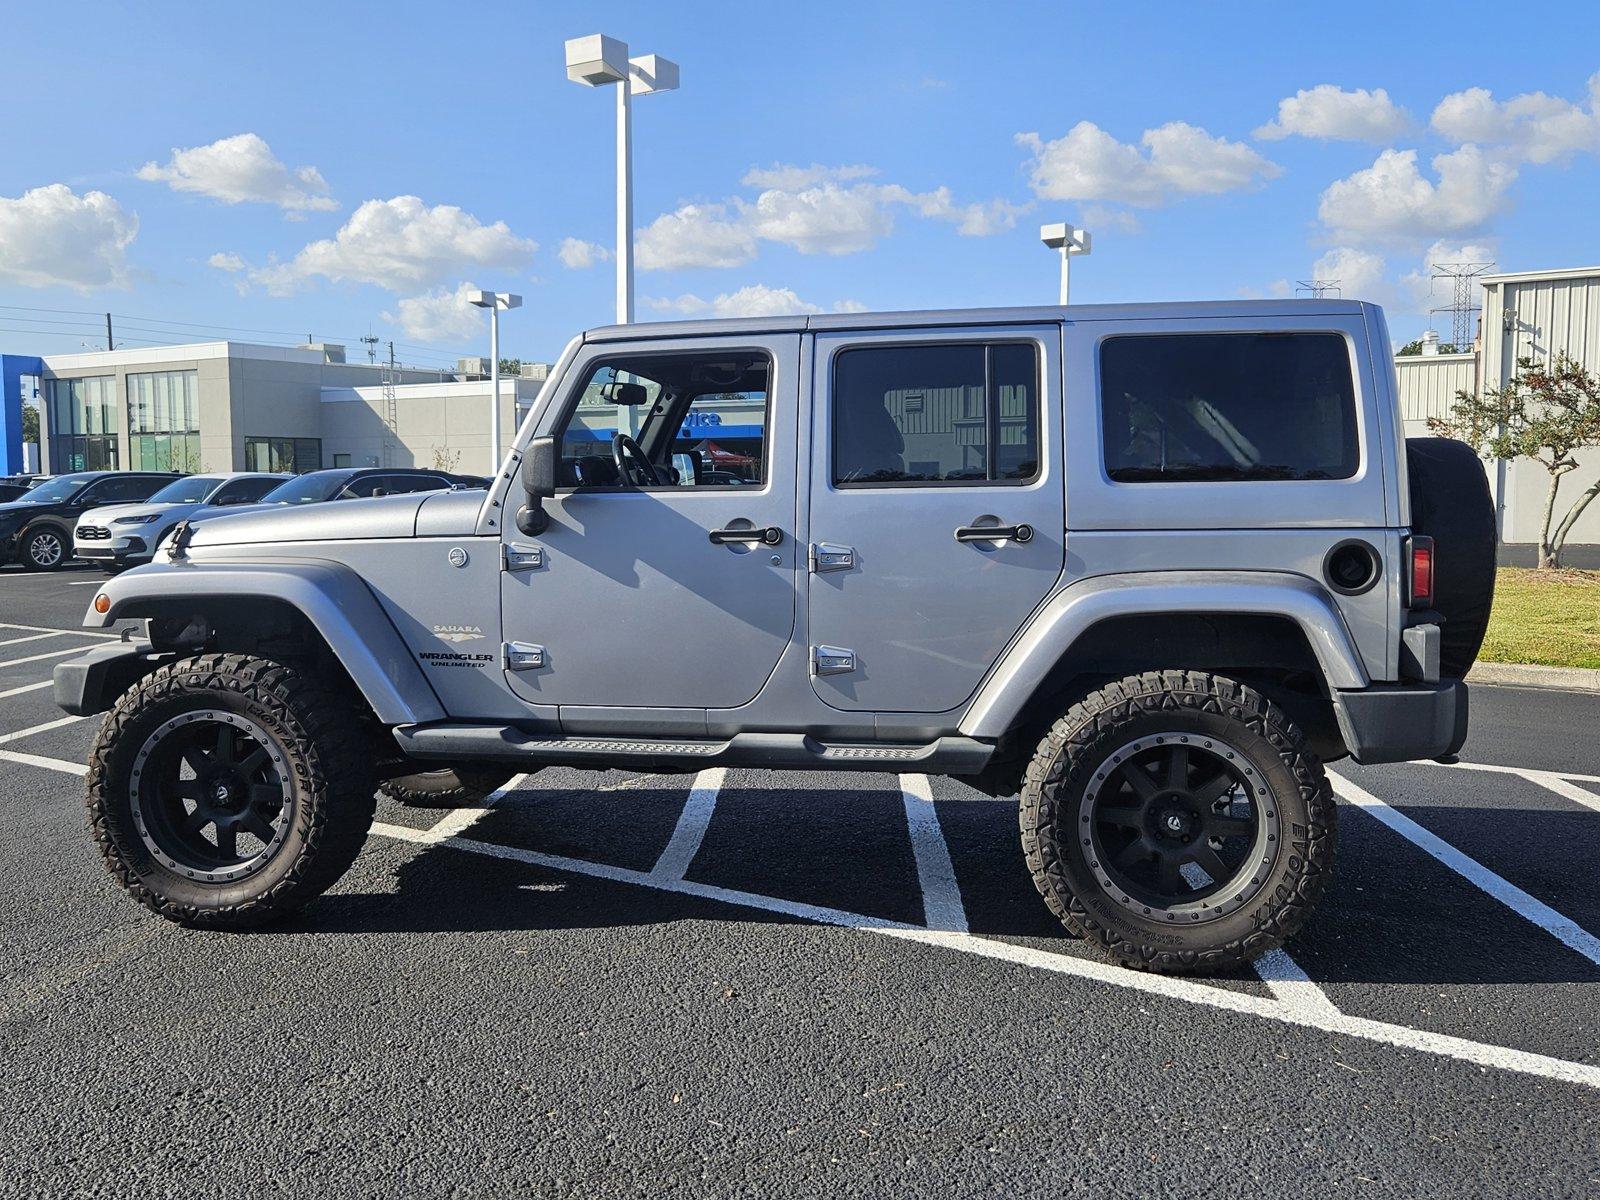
(36,528)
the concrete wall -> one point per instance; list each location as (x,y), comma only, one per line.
(449,416)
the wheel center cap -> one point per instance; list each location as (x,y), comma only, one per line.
(1175,823)
(221,793)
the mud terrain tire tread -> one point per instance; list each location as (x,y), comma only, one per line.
(327,750)
(1060,770)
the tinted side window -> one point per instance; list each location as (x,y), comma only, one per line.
(1230,406)
(245,491)
(121,491)
(936,414)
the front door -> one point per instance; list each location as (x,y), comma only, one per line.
(667,576)
(937,509)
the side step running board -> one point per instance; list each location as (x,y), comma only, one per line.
(507,743)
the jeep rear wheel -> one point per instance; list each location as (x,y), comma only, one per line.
(449,787)
(226,791)
(1177,820)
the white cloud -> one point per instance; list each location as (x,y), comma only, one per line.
(1534,127)
(849,306)
(52,237)
(1359,274)
(792,178)
(401,244)
(1333,114)
(823,219)
(439,316)
(1177,160)
(756,300)
(242,169)
(229,262)
(815,210)
(579,255)
(696,235)
(1392,200)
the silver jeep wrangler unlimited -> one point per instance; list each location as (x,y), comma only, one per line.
(1148,566)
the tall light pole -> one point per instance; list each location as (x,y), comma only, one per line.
(1069,241)
(494,302)
(597,61)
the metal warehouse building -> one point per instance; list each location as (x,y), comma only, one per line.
(218,406)
(1531,314)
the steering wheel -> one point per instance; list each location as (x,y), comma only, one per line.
(632,465)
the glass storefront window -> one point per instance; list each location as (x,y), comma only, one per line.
(278,455)
(164,420)
(83,423)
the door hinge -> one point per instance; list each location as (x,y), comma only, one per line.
(832,660)
(521,558)
(522,656)
(825,556)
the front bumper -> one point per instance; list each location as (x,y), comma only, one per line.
(119,549)
(92,682)
(1399,722)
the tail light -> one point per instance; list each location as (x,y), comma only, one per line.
(1420,552)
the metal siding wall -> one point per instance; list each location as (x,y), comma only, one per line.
(1428,386)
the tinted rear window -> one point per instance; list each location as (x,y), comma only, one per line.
(1228,406)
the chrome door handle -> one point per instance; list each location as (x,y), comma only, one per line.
(994,533)
(770,536)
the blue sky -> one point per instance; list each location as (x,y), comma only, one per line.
(346,167)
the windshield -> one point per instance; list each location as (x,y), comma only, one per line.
(304,489)
(186,491)
(53,491)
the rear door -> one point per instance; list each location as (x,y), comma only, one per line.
(937,508)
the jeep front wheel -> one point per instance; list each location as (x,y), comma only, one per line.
(1177,820)
(226,791)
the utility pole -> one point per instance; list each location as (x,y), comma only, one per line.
(371,344)
(109,345)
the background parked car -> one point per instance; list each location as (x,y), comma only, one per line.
(124,535)
(12,487)
(36,528)
(337,483)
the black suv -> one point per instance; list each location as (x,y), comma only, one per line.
(36,529)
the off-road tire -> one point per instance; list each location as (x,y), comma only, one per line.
(30,536)
(326,756)
(1081,742)
(449,787)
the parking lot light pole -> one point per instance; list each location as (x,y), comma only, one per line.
(598,61)
(1069,241)
(494,302)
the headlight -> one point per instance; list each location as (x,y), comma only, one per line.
(136,520)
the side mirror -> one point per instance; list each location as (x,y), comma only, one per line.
(376,492)
(538,483)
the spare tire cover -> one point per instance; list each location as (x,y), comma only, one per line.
(1450,502)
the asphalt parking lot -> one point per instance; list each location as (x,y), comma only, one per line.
(741,983)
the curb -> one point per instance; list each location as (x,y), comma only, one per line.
(1571,679)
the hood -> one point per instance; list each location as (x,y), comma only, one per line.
(332,520)
(110,512)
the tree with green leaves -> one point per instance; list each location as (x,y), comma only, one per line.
(1547,412)
(30,424)
(1414,347)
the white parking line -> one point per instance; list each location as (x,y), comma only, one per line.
(38,760)
(89,633)
(19,734)
(85,583)
(1293,988)
(1566,789)
(1526,772)
(1563,928)
(462,819)
(941,895)
(1401,1036)
(35,637)
(17,662)
(690,830)
(27,687)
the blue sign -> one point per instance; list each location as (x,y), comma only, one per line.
(12,368)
